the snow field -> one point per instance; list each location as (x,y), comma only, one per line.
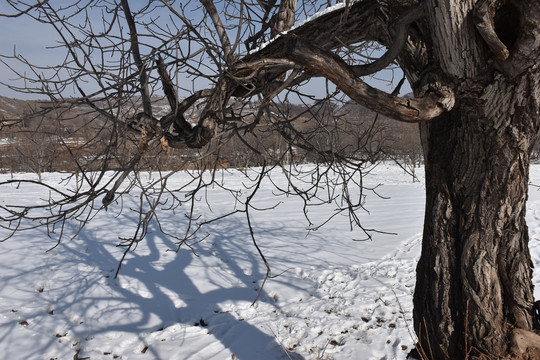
(333,298)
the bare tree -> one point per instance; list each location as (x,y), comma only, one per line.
(473,68)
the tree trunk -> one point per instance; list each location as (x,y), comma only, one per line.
(474,277)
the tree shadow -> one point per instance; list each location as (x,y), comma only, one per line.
(154,291)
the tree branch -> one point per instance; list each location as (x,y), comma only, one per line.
(329,31)
(214,15)
(25,11)
(143,76)
(332,67)
(168,87)
(264,70)
(285,17)
(401,34)
(484,14)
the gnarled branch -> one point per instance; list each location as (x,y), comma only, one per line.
(332,67)
(484,20)
(264,70)
(401,33)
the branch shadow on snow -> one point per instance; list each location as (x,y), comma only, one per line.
(156,290)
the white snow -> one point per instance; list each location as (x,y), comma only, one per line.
(335,298)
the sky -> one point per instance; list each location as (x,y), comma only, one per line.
(36,43)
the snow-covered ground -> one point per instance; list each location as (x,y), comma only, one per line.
(334,298)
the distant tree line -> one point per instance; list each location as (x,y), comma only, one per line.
(36,139)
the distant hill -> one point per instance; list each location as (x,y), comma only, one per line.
(14,108)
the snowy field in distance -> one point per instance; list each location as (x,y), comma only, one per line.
(335,298)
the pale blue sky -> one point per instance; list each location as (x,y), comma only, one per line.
(28,38)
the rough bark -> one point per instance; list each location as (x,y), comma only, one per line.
(474,277)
